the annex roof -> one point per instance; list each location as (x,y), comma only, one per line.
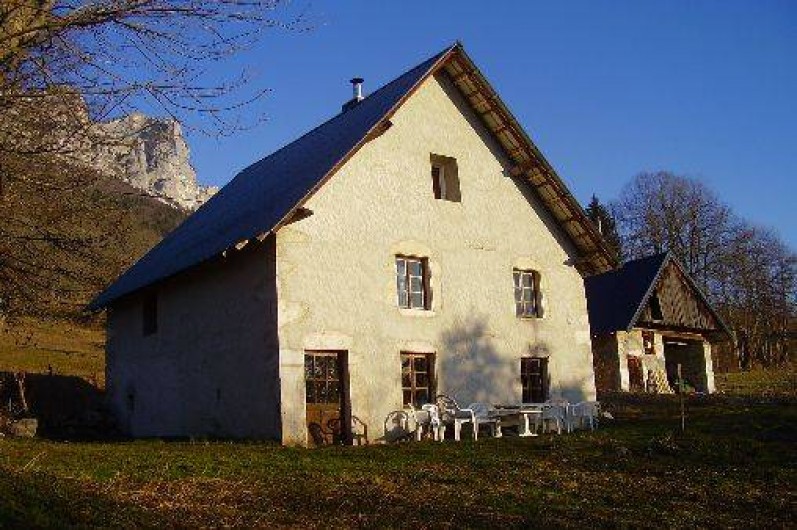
(616,299)
(264,196)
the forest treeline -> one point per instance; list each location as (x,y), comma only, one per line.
(748,272)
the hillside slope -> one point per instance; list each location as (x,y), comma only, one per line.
(51,330)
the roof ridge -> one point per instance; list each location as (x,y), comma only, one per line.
(261,196)
(344,112)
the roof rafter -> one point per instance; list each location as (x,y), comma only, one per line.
(530,164)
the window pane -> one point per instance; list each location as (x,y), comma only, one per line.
(519,309)
(528,295)
(421,397)
(407,397)
(402,299)
(421,379)
(417,300)
(536,365)
(332,368)
(406,360)
(333,393)
(321,392)
(319,367)
(415,268)
(406,380)
(516,279)
(401,267)
(528,279)
(416,284)
(518,294)
(309,392)
(308,366)
(420,363)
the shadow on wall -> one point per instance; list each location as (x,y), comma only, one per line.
(574,390)
(471,370)
(566,385)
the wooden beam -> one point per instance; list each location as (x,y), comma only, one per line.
(521,169)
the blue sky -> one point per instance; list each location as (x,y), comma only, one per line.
(606,89)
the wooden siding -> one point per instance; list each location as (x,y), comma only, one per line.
(681,307)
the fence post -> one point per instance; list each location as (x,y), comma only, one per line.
(681,396)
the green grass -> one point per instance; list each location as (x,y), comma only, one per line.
(36,346)
(734,467)
(773,381)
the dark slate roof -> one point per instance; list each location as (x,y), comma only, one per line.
(614,298)
(262,195)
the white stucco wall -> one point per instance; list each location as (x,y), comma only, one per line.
(211,367)
(336,272)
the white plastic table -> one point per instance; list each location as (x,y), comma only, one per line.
(531,409)
(526,410)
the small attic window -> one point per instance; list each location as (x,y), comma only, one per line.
(445,178)
(149,316)
(655,308)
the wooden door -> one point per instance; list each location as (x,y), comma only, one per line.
(327,397)
(636,377)
(534,378)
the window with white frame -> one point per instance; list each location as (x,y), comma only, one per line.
(527,293)
(412,282)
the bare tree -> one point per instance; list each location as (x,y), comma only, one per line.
(747,272)
(66,64)
(663,211)
(119,53)
(759,296)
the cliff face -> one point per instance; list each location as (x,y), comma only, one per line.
(151,155)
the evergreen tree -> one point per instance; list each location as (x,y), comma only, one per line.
(604,221)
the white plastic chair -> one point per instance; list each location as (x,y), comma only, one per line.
(397,426)
(435,424)
(452,414)
(586,413)
(484,414)
(421,419)
(555,411)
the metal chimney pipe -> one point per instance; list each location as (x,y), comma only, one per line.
(357,88)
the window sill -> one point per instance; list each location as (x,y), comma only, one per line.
(423,313)
(529,318)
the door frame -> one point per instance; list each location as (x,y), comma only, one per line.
(345,395)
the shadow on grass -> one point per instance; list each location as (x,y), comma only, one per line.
(734,467)
(38,500)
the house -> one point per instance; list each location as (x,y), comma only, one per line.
(416,243)
(648,318)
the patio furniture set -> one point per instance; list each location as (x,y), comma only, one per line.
(433,419)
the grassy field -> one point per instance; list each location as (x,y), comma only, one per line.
(772,382)
(734,467)
(36,346)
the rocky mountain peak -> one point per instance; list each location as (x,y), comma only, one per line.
(151,155)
